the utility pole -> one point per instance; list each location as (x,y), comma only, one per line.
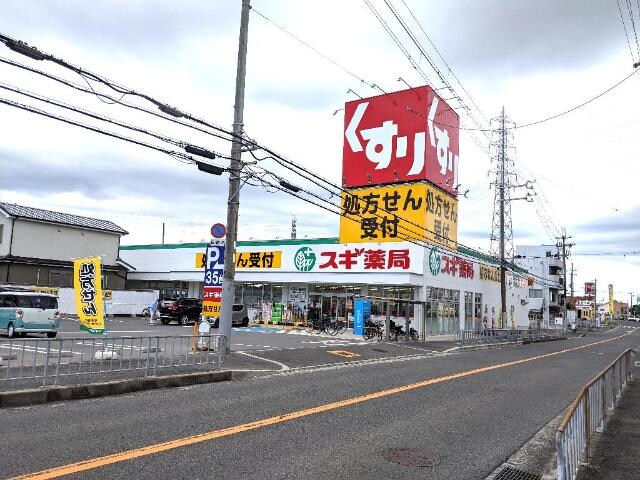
(572,272)
(233,202)
(294,233)
(503,270)
(564,246)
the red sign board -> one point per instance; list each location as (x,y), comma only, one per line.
(405,136)
(589,288)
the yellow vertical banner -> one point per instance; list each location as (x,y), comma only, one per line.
(87,290)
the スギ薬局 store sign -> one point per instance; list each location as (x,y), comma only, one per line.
(406,136)
(397,213)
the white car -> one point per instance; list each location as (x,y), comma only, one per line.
(633,319)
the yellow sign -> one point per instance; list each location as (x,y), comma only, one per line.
(611,309)
(258,260)
(55,291)
(246,260)
(87,286)
(201,259)
(398,213)
(489,273)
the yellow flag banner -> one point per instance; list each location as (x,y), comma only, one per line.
(87,286)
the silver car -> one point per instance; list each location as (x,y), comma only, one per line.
(240,317)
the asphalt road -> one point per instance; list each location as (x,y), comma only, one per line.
(469,412)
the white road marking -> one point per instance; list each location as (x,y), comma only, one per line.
(283,367)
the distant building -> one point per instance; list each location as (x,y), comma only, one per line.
(37,246)
(546,297)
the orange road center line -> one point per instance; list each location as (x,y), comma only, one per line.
(103,461)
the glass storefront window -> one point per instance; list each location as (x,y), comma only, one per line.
(468,310)
(477,315)
(442,311)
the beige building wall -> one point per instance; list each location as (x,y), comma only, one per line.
(61,242)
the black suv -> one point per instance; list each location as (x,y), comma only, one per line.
(182,310)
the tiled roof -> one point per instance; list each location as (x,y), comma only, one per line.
(41,215)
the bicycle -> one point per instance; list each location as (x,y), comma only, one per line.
(371,331)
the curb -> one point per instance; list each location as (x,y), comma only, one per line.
(34,396)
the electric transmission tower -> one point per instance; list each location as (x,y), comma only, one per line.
(502,153)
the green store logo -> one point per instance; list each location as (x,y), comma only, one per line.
(434,262)
(304,259)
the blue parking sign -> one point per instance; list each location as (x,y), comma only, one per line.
(214,265)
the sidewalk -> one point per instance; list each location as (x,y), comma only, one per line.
(615,453)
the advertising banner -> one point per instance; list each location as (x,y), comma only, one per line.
(405,136)
(361,314)
(87,286)
(398,213)
(213,274)
(589,288)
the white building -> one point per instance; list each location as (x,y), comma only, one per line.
(546,297)
(449,292)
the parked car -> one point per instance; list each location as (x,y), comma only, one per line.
(24,312)
(633,319)
(240,317)
(182,310)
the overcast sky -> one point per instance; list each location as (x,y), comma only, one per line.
(534,58)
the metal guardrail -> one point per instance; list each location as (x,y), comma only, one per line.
(491,335)
(49,361)
(588,414)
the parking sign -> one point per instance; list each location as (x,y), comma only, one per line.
(213,274)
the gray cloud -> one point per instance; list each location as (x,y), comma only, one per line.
(120,26)
(498,37)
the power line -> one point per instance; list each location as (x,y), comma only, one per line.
(33,53)
(113,100)
(601,254)
(587,102)
(624,26)
(184,158)
(633,25)
(95,116)
(444,61)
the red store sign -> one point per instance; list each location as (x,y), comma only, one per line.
(405,136)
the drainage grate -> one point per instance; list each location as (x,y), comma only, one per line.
(510,473)
(411,457)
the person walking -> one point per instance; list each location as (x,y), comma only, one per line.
(153,311)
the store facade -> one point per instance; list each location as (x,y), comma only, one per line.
(440,292)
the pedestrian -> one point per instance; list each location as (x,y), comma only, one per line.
(153,311)
(573,327)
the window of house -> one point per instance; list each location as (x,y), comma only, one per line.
(535,293)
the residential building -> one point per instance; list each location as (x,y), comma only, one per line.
(546,296)
(37,247)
